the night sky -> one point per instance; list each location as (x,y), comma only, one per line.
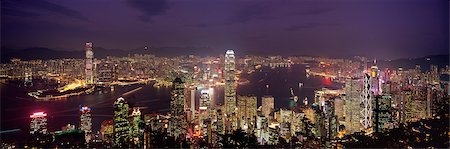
(376,28)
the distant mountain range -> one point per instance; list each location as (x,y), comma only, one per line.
(99,52)
(424,62)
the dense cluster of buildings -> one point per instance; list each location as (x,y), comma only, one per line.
(372,100)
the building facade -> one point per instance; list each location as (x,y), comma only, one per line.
(268,105)
(121,123)
(230,83)
(86,123)
(178,117)
(352,107)
(89,68)
(38,123)
(247,112)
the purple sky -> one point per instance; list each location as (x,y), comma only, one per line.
(377,28)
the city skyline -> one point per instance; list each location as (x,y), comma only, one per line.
(225,74)
(382,29)
(342,98)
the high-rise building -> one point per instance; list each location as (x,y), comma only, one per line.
(262,129)
(366,102)
(154,123)
(352,109)
(330,119)
(297,125)
(136,130)
(28,77)
(106,131)
(192,103)
(405,98)
(121,123)
(205,99)
(247,112)
(106,73)
(204,110)
(268,105)
(220,123)
(89,70)
(434,74)
(339,109)
(38,123)
(178,118)
(375,81)
(381,112)
(86,123)
(230,83)
(414,109)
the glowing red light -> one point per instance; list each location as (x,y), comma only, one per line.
(38,114)
(326,81)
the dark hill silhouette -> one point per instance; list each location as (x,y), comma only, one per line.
(99,52)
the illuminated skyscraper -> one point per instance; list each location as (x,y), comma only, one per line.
(330,119)
(86,123)
(414,108)
(205,99)
(230,83)
(136,120)
(220,123)
(89,70)
(262,127)
(366,103)
(434,74)
(28,80)
(352,108)
(375,80)
(106,131)
(381,112)
(268,105)
(204,110)
(106,73)
(192,102)
(178,119)
(38,123)
(247,111)
(121,123)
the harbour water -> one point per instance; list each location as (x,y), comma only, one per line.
(16,105)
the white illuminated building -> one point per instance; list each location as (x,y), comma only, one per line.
(86,122)
(230,83)
(89,70)
(38,123)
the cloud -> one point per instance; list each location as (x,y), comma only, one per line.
(308,26)
(249,13)
(200,25)
(34,8)
(316,11)
(149,8)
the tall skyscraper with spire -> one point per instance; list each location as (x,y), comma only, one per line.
(230,83)
(89,70)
